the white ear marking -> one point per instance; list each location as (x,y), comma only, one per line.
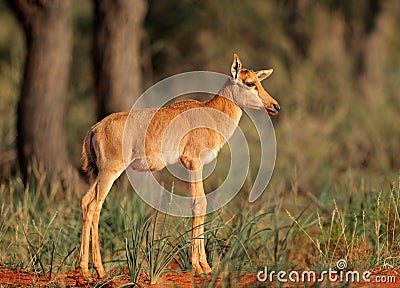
(262,74)
(236,66)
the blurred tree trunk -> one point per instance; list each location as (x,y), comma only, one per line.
(41,111)
(117,64)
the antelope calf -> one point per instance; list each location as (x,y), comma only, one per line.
(104,157)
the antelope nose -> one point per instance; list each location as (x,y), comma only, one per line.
(277,107)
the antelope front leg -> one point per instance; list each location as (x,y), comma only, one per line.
(199,207)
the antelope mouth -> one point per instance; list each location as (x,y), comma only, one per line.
(273,113)
(274,110)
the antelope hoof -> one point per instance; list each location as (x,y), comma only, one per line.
(198,270)
(204,276)
(201,271)
(86,274)
(206,268)
(101,272)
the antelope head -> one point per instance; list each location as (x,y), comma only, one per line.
(258,98)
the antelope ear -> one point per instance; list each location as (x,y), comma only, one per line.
(262,74)
(236,66)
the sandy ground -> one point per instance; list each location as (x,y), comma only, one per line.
(9,278)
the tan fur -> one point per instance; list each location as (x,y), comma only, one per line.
(146,150)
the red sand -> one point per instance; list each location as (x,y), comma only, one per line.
(169,279)
(75,279)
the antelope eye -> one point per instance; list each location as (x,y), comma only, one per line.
(250,84)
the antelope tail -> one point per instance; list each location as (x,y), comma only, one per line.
(89,156)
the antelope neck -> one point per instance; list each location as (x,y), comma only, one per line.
(226,106)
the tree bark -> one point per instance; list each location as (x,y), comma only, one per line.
(41,138)
(118,73)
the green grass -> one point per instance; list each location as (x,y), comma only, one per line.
(40,232)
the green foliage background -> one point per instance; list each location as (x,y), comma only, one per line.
(336,75)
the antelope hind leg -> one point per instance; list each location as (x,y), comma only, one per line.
(87,208)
